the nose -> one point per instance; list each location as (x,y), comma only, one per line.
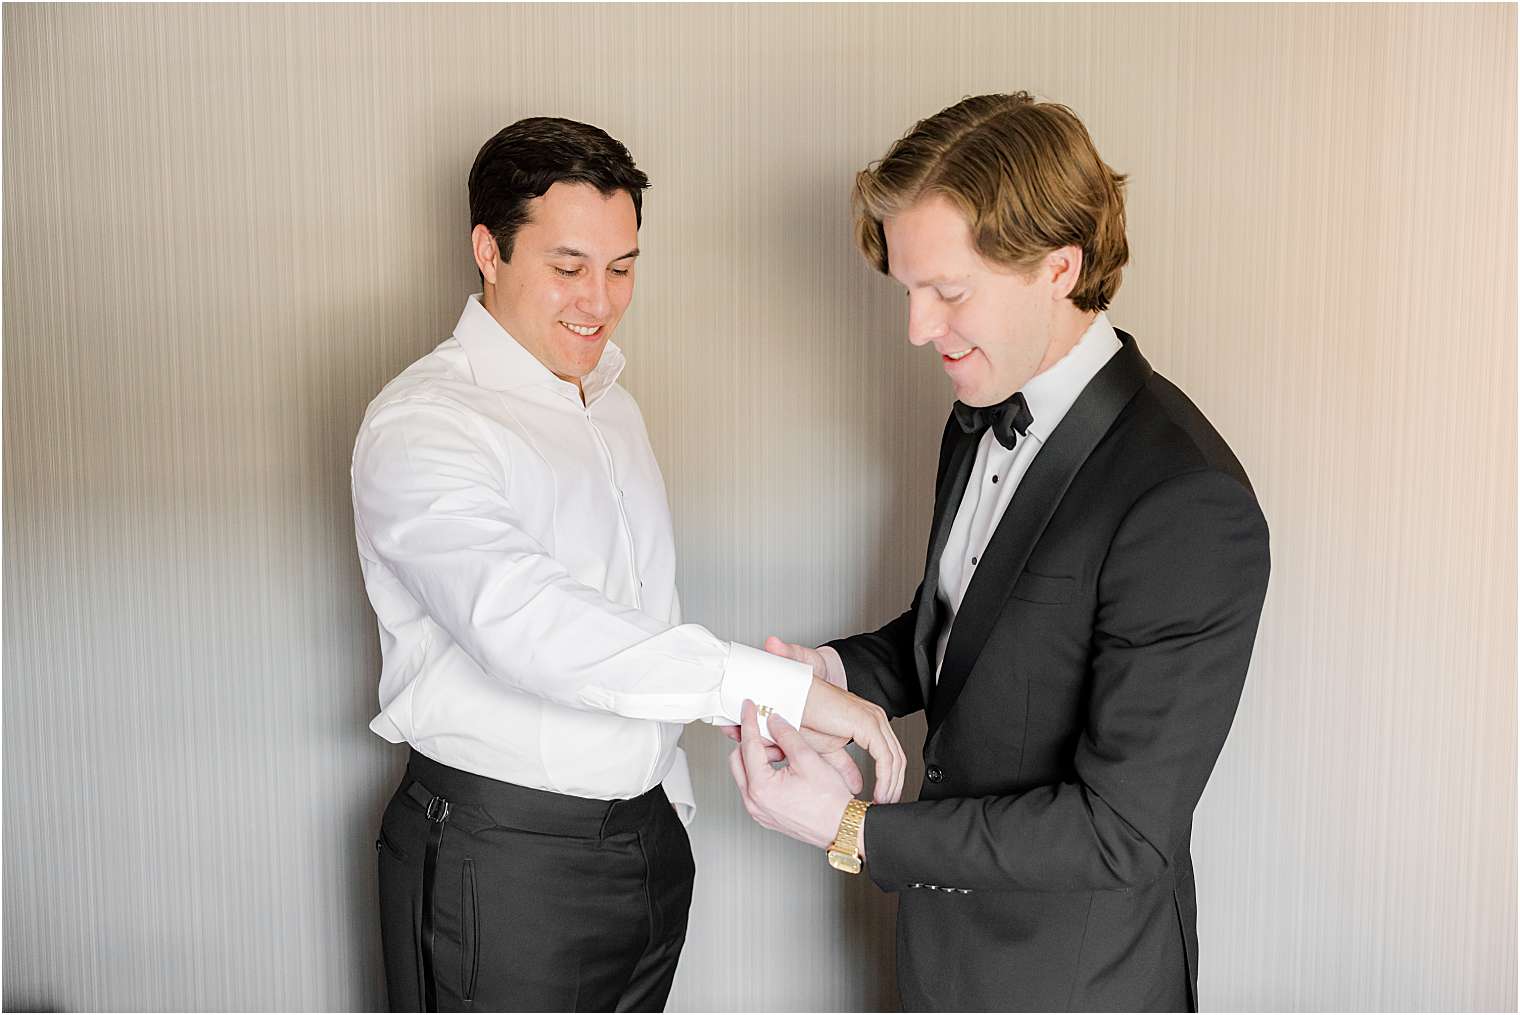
(594,300)
(926,319)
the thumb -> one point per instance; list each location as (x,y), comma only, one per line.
(798,653)
(776,647)
(790,741)
(751,747)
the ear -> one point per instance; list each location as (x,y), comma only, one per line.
(486,254)
(1063,267)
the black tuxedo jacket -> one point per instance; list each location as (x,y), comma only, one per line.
(1090,679)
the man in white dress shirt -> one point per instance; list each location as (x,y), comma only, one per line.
(516,545)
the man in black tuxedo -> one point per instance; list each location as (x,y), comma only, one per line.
(1095,575)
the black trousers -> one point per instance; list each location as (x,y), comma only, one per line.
(501,898)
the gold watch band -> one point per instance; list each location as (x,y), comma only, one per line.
(844,851)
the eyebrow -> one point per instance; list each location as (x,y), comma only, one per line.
(935,280)
(572,252)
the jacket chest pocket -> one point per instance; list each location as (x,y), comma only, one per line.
(1040,588)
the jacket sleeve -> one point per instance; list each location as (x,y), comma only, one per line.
(879,667)
(1179,597)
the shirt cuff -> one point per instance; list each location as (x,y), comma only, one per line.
(835,667)
(781,684)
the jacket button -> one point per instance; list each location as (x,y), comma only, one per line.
(934,774)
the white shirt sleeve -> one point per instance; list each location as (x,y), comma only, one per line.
(428,498)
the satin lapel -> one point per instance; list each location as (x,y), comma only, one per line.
(1039,492)
(947,500)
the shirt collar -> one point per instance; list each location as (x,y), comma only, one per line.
(500,362)
(1051,394)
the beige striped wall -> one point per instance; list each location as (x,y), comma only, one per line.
(226,227)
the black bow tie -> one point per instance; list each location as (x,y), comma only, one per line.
(1009,419)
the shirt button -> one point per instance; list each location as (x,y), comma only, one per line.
(994,477)
(973,561)
(934,774)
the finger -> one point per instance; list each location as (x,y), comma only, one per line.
(732,732)
(902,766)
(798,753)
(894,792)
(889,788)
(845,766)
(889,760)
(881,762)
(902,776)
(750,744)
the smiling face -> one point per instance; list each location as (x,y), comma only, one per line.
(993,327)
(570,277)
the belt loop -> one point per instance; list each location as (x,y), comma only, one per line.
(437,814)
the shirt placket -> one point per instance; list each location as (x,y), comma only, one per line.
(622,508)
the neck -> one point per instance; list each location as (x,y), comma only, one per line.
(498,314)
(1067,327)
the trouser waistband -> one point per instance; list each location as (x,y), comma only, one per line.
(532,810)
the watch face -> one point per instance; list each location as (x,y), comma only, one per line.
(847,862)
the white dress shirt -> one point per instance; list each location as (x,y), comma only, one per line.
(997,471)
(516,545)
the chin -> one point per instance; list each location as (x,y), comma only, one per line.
(975,397)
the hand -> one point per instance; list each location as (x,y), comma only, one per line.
(830,747)
(838,713)
(805,800)
(833,718)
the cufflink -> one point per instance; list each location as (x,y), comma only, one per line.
(764,711)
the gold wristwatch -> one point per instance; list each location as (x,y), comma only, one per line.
(844,851)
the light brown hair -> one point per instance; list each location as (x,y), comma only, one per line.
(1025,175)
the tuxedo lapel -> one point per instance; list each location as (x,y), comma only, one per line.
(1035,500)
(947,499)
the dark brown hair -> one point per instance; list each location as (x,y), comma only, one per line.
(524,160)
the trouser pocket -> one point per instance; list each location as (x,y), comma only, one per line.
(400,883)
(1189,942)
(469,926)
